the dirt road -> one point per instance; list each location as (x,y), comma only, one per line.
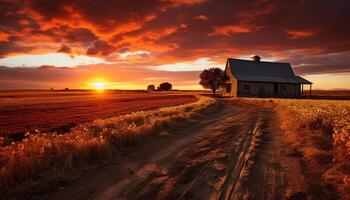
(235,152)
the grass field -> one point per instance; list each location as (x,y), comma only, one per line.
(28,111)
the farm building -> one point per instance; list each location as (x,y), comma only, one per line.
(255,78)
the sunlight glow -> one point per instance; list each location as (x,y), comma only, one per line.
(99,86)
(329,81)
(196,65)
(134,53)
(56,59)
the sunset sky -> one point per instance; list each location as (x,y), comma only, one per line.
(130,44)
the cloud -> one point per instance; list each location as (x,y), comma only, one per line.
(11,46)
(81,77)
(197,65)
(101,47)
(180,31)
(295,34)
(337,63)
(202,17)
(55,59)
(139,53)
(65,49)
(79,35)
(230,30)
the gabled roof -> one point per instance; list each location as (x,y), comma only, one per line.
(247,70)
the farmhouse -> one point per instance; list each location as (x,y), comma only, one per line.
(255,78)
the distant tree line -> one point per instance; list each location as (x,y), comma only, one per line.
(162,87)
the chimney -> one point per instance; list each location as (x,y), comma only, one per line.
(256,58)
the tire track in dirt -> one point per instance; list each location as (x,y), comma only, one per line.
(210,167)
(211,159)
(231,187)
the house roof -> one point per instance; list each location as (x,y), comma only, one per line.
(262,71)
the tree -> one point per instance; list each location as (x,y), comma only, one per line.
(165,86)
(212,78)
(151,87)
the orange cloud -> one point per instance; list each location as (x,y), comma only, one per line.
(294,34)
(202,17)
(65,49)
(179,31)
(230,30)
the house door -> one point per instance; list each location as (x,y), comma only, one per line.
(261,91)
(228,88)
(275,89)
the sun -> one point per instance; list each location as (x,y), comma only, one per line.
(99,86)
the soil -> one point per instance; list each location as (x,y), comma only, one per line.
(215,158)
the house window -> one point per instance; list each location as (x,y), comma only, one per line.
(246,89)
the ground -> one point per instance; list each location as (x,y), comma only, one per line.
(212,149)
(211,159)
(22,111)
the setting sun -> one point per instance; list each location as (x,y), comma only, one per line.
(99,86)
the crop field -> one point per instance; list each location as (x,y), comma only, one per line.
(231,148)
(28,111)
(92,141)
(320,131)
(329,94)
(331,116)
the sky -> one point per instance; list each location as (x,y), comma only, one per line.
(130,44)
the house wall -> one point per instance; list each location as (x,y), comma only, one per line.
(232,83)
(234,88)
(292,90)
(253,90)
(265,89)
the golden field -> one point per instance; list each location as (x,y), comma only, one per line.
(326,114)
(319,130)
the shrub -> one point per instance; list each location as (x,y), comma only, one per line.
(151,88)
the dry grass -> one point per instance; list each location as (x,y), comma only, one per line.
(26,160)
(319,131)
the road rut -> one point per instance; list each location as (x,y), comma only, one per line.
(211,159)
